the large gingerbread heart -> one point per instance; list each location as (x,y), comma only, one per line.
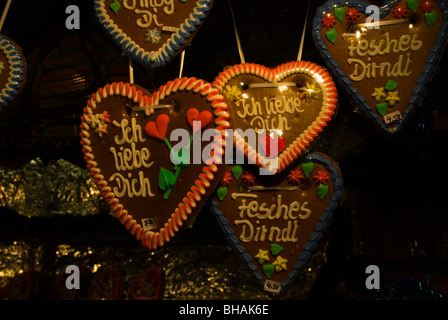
(382,62)
(127,138)
(152,32)
(276,222)
(12,70)
(288,107)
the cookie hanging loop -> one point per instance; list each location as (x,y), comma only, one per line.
(302,40)
(238,42)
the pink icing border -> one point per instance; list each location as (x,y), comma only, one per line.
(329,106)
(150,239)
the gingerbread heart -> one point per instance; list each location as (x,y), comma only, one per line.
(384,58)
(294,101)
(276,222)
(152,32)
(12,70)
(127,139)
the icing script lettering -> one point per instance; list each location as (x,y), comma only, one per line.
(269,114)
(147,10)
(386,45)
(127,158)
(252,213)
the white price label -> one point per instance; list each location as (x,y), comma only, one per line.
(272,286)
(392,117)
(148,224)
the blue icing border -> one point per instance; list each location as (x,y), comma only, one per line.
(341,78)
(16,64)
(162,56)
(313,240)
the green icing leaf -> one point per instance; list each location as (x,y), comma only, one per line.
(430,18)
(180,159)
(166,179)
(237,171)
(412,5)
(322,191)
(331,35)
(307,168)
(339,13)
(391,85)
(268,270)
(221,193)
(276,249)
(382,108)
(115,6)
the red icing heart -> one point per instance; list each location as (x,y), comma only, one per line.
(205,117)
(383,70)
(298,98)
(135,172)
(158,129)
(266,141)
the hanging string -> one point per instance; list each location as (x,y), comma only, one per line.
(131,70)
(238,42)
(299,56)
(182,58)
(5,12)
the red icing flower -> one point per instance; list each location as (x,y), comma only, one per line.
(321,177)
(248,178)
(427,6)
(294,176)
(106,116)
(400,12)
(329,20)
(226,179)
(352,14)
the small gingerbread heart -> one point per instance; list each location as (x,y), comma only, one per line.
(204,117)
(12,71)
(149,184)
(275,223)
(294,101)
(152,32)
(382,57)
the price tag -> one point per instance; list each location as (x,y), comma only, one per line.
(392,117)
(148,224)
(272,286)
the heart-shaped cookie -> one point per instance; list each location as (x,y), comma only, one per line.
(275,222)
(127,138)
(152,32)
(294,101)
(12,70)
(383,59)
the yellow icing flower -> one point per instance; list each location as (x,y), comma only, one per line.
(280,264)
(262,256)
(232,93)
(379,94)
(311,90)
(392,97)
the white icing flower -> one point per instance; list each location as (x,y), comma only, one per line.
(153,36)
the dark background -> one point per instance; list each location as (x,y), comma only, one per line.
(393,213)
